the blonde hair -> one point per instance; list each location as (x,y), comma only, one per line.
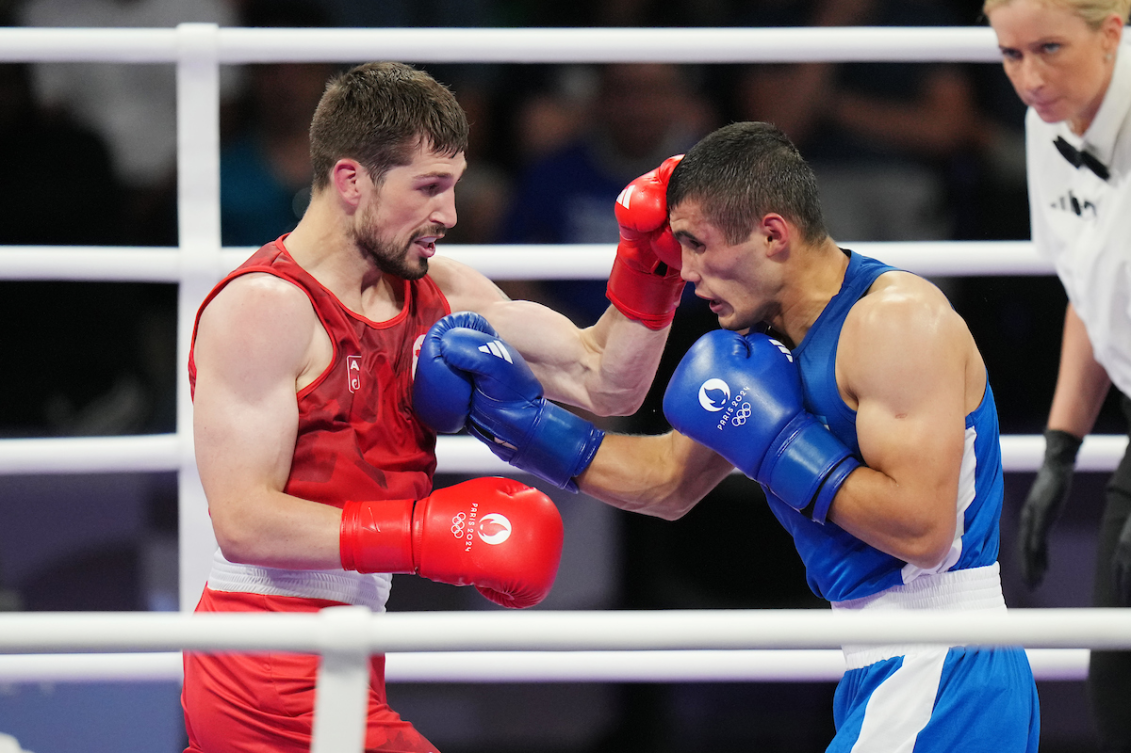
(1093,12)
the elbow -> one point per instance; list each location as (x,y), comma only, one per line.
(927,559)
(237,543)
(664,509)
(236,549)
(929,549)
(673,510)
(677,502)
(670,506)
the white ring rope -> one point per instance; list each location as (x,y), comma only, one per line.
(530,45)
(533,646)
(751,665)
(509,262)
(163,452)
(563,646)
(548,630)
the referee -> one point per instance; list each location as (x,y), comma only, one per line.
(1064,59)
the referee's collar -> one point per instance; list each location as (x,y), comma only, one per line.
(1100,137)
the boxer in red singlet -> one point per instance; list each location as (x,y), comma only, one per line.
(317,470)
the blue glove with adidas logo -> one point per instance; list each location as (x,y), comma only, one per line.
(510,414)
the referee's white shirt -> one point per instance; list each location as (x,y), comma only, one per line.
(1083,223)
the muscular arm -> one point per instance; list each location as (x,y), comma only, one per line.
(256,340)
(663,475)
(1081,383)
(904,359)
(606,369)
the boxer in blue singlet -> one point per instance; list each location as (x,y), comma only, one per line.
(854,394)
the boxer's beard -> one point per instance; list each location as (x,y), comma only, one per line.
(391,257)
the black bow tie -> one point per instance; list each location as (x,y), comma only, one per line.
(1077,157)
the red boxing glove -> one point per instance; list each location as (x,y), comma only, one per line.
(496,534)
(645,284)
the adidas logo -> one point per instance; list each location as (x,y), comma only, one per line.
(497,349)
(783,349)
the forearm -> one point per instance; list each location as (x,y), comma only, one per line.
(1082,383)
(914,523)
(606,369)
(626,357)
(272,529)
(663,476)
(904,500)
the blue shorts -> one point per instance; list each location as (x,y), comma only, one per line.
(936,701)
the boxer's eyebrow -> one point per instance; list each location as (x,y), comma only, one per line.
(684,235)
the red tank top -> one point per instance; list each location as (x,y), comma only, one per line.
(358,437)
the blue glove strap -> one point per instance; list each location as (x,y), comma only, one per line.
(803,456)
(558,446)
(820,508)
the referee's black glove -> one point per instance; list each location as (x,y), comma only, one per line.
(1044,504)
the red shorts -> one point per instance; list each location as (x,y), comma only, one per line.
(264,702)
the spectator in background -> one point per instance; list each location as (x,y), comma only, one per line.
(412,13)
(265,170)
(71,378)
(131,106)
(641,114)
(29,185)
(879,136)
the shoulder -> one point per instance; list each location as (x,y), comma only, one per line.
(900,304)
(258,308)
(260,332)
(903,329)
(261,292)
(466,288)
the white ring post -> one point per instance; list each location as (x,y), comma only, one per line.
(198,227)
(341,699)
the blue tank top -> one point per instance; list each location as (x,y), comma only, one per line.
(839,566)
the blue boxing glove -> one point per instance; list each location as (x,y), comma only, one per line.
(512,417)
(441,395)
(741,397)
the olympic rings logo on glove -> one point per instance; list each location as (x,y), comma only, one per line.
(741,415)
(458,521)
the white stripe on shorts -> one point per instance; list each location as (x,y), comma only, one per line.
(902,705)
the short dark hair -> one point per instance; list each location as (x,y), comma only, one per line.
(378,113)
(743,171)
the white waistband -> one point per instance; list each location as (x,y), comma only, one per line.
(363,589)
(973,590)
